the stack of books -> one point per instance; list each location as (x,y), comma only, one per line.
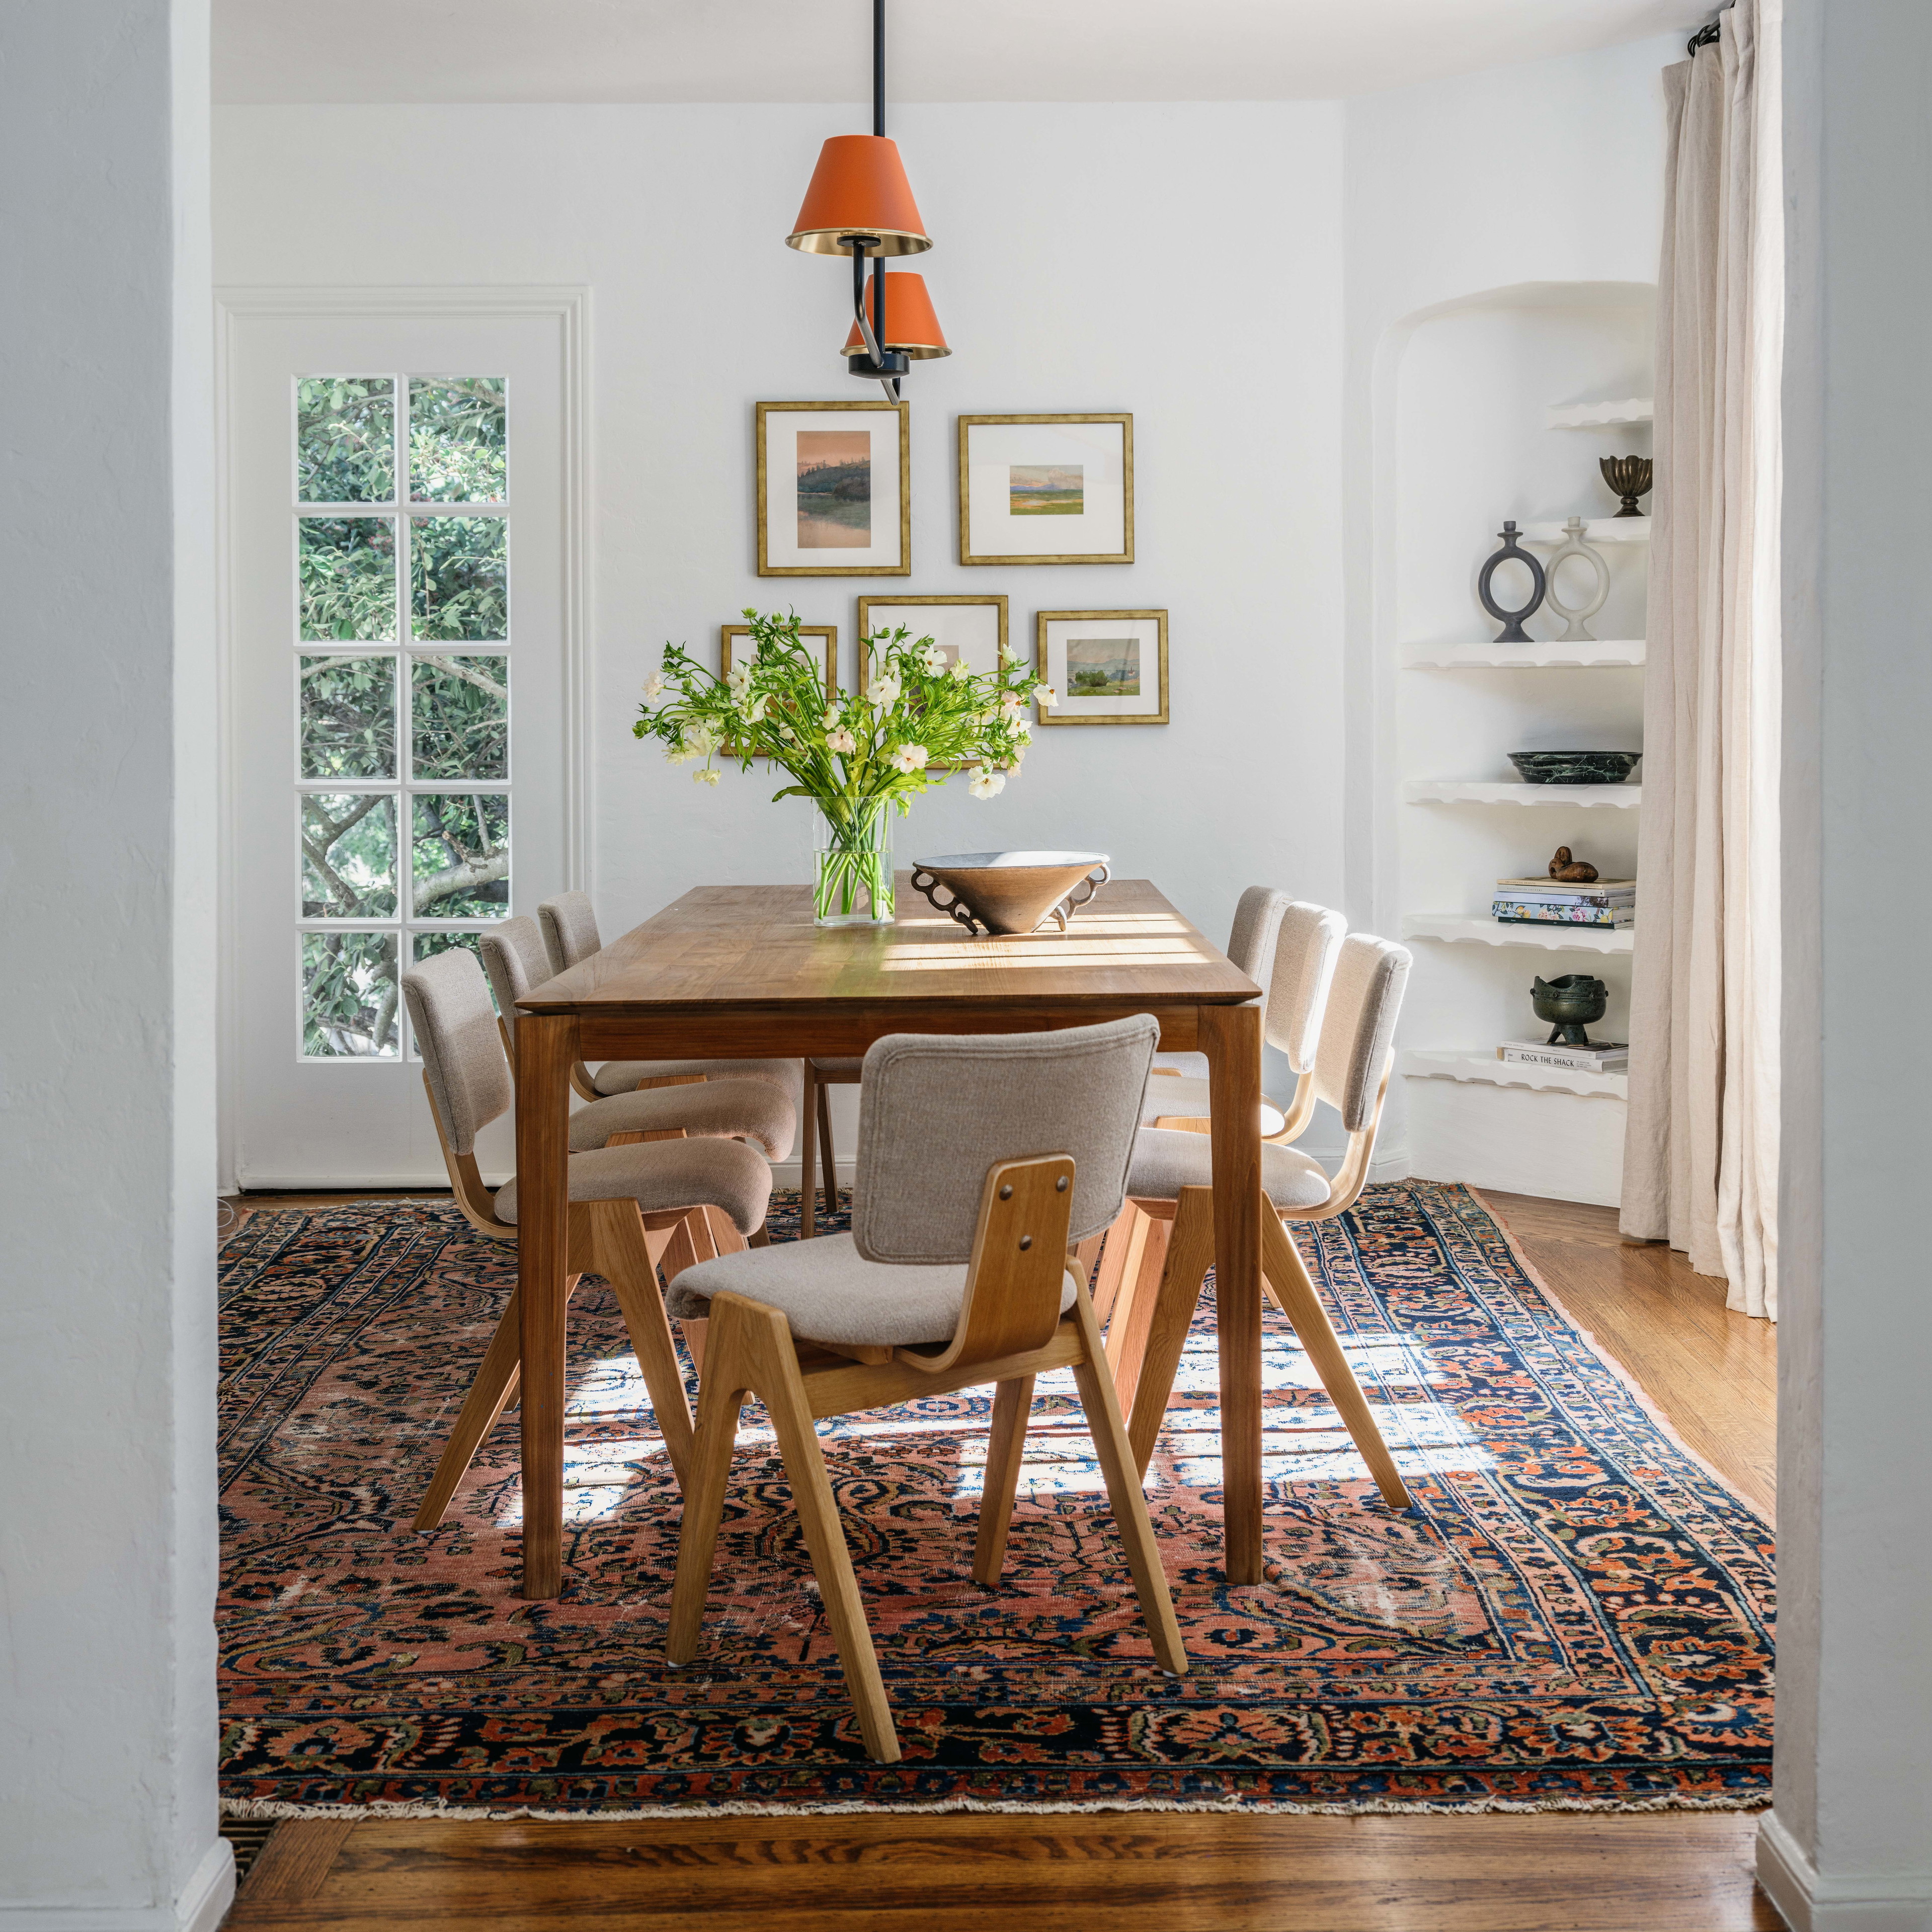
(1599,1057)
(1605,902)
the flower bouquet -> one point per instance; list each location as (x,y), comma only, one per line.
(858,756)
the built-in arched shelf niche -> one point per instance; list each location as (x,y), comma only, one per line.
(1467,393)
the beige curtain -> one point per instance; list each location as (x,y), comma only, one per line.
(1700,1157)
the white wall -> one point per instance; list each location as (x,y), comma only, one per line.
(1184,262)
(107,1535)
(1848,1847)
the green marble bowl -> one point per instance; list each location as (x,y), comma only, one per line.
(1575,767)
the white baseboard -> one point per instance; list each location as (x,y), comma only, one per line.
(202,1904)
(1808,1904)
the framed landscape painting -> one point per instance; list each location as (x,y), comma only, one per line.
(1105,667)
(1046,489)
(834,489)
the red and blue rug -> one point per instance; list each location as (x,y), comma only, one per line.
(1576,1613)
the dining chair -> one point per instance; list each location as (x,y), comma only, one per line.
(570,936)
(1170,1179)
(980,1158)
(637,1199)
(815,1138)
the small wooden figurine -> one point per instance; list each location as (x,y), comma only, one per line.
(1563,866)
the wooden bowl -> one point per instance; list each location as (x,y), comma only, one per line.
(1010,892)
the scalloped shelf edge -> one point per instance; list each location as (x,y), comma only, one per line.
(1600,415)
(1457,791)
(1596,530)
(1484,1070)
(1629,653)
(1473,928)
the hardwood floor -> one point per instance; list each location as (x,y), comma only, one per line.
(1711,1373)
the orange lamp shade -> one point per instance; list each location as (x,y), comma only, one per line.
(910,325)
(859,188)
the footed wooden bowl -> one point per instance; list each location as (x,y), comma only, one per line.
(1010,892)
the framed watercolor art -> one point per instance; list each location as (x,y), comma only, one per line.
(834,489)
(972,628)
(1107,667)
(1046,489)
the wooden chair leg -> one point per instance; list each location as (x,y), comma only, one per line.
(621,1253)
(720,1397)
(1134,1309)
(691,1242)
(776,1380)
(808,1159)
(1190,1253)
(490,1394)
(1123,1490)
(1005,1444)
(1124,1242)
(827,1155)
(1288,1279)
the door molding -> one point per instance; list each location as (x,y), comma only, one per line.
(235,305)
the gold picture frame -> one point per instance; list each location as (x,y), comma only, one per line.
(779,555)
(1103,507)
(1103,706)
(867,604)
(829,632)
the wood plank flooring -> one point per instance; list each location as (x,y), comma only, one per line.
(1712,1376)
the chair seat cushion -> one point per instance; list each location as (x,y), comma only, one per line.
(752,1110)
(1186,1098)
(829,1292)
(1165,1161)
(660,1175)
(620,1076)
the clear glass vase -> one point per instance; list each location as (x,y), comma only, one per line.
(852,866)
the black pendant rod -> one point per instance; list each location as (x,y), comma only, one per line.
(878,66)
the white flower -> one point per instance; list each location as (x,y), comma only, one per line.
(961,670)
(910,758)
(787,735)
(1022,730)
(654,685)
(883,692)
(935,659)
(700,741)
(841,740)
(755,711)
(706,776)
(829,722)
(1011,701)
(681,754)
(987,783)
(1045,694)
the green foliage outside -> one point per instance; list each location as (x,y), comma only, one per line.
(349,991)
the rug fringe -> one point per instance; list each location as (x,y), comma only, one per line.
(1631,1386)
(269,1807)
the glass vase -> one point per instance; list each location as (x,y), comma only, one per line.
(852,866)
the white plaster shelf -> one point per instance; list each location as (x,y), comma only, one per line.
(1592,654)
(1551,938)
(1456,791)
(1596,530)
(1599,416)
(1486,1069)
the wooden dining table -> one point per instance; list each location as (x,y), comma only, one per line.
(742,972)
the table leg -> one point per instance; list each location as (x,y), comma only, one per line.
(546,1048)
(1231,1038)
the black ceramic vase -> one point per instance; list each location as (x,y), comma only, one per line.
(1570,1004)
(1511,621)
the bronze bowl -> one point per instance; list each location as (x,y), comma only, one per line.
(1570,1004)
(1010,892)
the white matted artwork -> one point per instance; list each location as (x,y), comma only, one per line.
(972,628)
(1046,489)
(1105,667)
(834,490)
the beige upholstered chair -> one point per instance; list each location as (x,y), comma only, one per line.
(570,936)
(666,1177)
(1170,1180)
(980,1159)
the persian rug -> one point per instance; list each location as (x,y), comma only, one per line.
(1576,1614)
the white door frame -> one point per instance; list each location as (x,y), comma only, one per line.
(570,307)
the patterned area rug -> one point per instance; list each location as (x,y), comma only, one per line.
(1576,1614)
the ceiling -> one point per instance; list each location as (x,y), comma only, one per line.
(277,51)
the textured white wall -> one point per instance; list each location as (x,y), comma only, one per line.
(1184,262)
(107,1536)
(1848,1847)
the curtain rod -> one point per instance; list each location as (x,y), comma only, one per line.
(1707,35)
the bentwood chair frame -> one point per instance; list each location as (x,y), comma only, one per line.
(1010,1329)
(1154,1308)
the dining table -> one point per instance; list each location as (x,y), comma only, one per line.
(742,972)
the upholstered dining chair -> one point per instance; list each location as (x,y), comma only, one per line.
(638,1198)
(980,1159)
(570,935)
(1170,1178)
(814,1115)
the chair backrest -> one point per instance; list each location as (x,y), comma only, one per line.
(514,958)
(1358,1028)
(938,1111)
(462,1054)
(569,931)
(1288,947)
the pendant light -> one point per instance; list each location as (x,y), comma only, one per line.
(859,203)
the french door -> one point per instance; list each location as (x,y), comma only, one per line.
(398,703)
